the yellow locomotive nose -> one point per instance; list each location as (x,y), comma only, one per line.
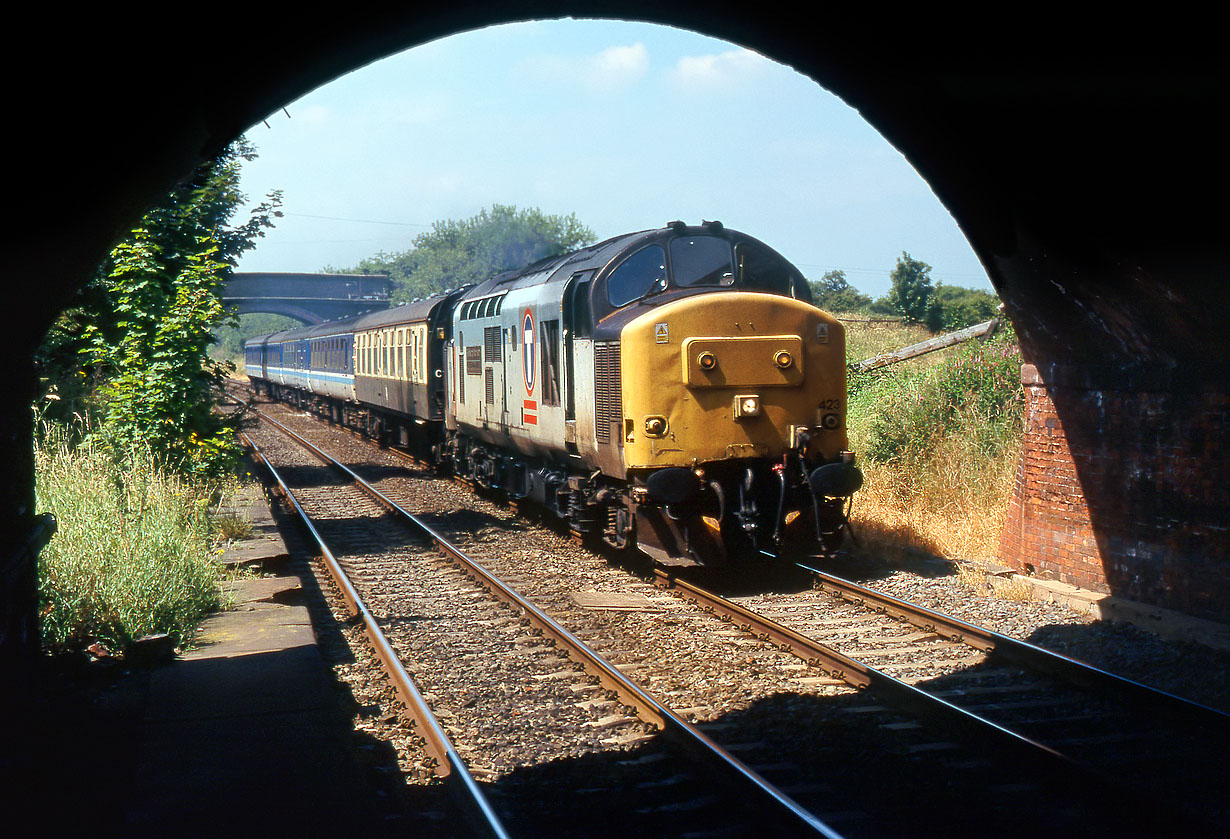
(731,375)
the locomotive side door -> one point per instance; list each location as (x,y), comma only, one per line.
(577,329)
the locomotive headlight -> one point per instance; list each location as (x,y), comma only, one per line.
(706,360)
(655,426)
(747,406)
(783,359)
(831,421)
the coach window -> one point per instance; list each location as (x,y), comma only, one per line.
(641,273)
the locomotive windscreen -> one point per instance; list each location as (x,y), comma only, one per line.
(701,260)
(762,269)
(704,261)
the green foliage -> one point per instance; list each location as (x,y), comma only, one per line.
(131,555)
(835,294)
(455,253)
(975,393)
(133,350)
(962,307)
(910,295)
(230,336)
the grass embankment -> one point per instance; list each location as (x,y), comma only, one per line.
(132,552)
(937,439)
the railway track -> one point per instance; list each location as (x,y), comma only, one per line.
(911,774)
(688,785)
(1147,749)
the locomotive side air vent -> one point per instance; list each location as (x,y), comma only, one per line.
(608,393)
(491,343)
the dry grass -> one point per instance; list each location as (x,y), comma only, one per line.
(867,339)
(231,526)
(952,500)
(939,515)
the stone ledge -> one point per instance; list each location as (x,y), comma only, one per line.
(1165,623)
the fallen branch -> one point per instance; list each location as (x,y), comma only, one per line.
(981,330)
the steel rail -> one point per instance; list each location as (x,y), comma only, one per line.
(859,675)
(1022,652)
(976,728)
(671,724)
(448,764)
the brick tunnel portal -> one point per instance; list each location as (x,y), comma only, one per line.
(1083,163)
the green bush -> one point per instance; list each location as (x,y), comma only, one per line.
(976,393)
(131,555)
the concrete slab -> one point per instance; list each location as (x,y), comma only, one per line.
(615,601)
(254,744)
(263,551)
(1165,623)
(285,590)
(252,629)
(246,734)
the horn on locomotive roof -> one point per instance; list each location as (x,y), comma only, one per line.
(714,226)
(677,226)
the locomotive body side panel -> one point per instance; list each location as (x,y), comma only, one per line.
(508,370)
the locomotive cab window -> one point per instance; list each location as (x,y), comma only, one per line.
(701,261)
(641,273)
(761,269)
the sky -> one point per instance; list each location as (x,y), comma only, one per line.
(627,125)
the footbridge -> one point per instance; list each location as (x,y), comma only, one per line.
(309,298)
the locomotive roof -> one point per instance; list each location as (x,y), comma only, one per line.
(594,256)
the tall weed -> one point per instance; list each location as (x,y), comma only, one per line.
(977,394)
(131,555)
(939,445)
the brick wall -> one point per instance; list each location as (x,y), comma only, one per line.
(1116,489)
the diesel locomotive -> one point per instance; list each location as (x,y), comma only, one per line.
(672,389)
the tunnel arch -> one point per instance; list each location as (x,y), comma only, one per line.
(1079,160)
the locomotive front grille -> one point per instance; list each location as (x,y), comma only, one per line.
(608,394)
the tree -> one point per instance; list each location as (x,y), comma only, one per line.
(141,328)
(910,295)
(454,253)
(962,307)
(834,293)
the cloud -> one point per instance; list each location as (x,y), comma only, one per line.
(718,70)
(609,70)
